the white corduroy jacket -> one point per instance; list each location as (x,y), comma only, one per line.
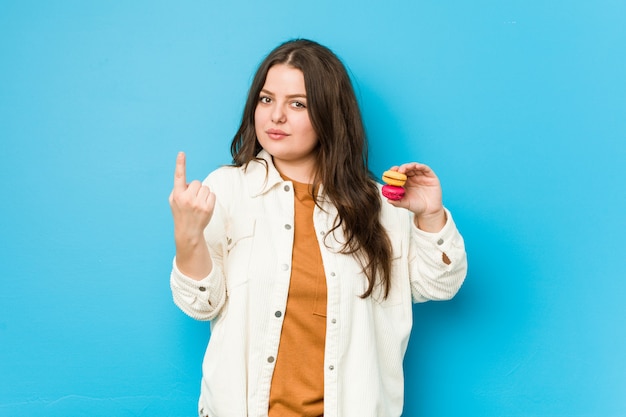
(250,238)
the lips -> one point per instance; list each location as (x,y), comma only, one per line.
(276,134)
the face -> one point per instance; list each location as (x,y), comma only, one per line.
(282,123)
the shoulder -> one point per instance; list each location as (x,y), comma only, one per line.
(225,181)
(224,173)
(229,180)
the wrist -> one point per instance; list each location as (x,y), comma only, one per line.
(431,222)
(186,241)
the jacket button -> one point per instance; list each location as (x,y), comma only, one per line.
(270,359)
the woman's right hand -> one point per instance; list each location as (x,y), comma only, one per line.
(192,207)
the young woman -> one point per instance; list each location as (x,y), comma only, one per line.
(307,275)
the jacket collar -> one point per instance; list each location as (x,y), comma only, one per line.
(261,174)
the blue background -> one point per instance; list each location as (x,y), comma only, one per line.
(519,106)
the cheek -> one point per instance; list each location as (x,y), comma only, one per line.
(305,126)
(311,132)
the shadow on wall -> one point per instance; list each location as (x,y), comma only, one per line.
(467,348)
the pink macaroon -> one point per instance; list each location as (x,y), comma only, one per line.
(393,192)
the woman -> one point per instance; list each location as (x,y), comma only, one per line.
(308,278)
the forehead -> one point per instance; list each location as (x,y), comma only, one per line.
(284,78)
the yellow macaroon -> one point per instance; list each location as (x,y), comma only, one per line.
(394,178)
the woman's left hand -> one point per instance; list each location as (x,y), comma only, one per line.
(422,196)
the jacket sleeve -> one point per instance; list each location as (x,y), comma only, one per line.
(437,262)
(204,299)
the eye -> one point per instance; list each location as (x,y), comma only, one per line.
(298,105)
(264,99)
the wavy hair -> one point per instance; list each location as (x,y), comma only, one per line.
(342,158)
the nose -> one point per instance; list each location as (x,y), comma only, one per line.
(278,114)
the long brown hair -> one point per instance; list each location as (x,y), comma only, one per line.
(342,160)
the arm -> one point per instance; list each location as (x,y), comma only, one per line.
(437,262)
(437,258)
(197,283)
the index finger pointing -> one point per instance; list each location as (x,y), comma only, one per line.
(180,178)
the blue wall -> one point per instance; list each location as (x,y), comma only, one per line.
(519,106)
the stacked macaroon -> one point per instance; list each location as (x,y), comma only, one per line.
(394,181)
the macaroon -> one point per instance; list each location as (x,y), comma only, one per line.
(394,181)
(393,192)
(394,178)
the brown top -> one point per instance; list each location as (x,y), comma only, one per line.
(298,382)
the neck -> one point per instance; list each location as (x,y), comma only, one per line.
(300,172)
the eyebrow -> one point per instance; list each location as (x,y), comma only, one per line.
(288,96)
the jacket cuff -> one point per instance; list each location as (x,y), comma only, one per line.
(447,240)
(200,299)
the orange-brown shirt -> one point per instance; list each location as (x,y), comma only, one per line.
(298,382)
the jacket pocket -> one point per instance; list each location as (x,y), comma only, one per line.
(239,229)
(239,245)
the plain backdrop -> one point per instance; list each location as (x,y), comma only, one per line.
(519,106)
